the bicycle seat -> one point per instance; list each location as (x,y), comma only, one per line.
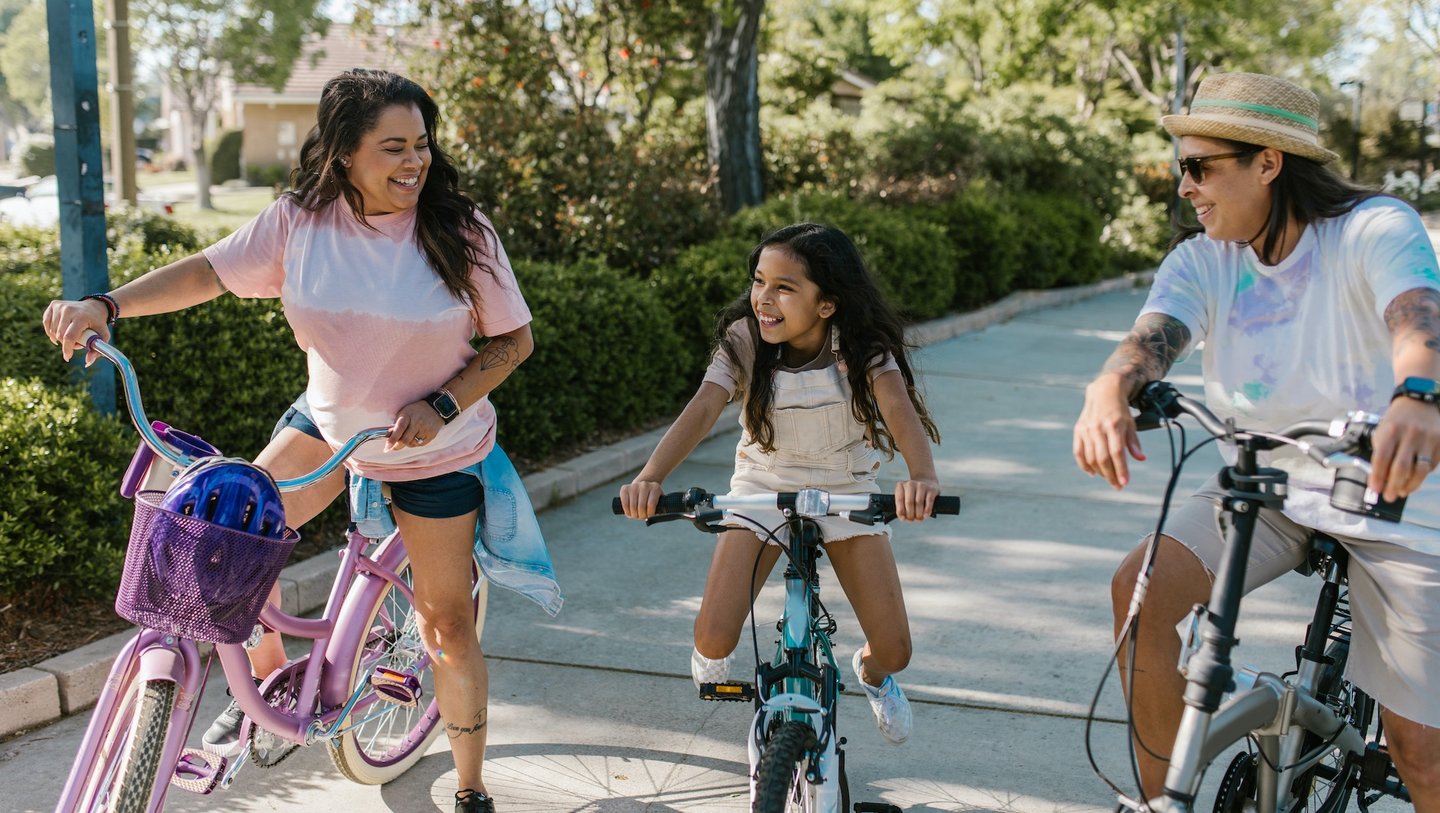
(1323,548)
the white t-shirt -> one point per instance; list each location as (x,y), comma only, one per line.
(1306,338)
(379,328)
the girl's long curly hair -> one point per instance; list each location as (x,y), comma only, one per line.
(867,327)
(446,221)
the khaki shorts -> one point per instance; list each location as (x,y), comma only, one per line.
(1394,599)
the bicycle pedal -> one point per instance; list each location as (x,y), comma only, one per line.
(395,686)
(729,690)
(876,807)
(198,771)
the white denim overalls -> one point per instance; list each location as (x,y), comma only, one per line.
(818,444)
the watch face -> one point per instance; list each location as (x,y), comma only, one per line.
(1426,386)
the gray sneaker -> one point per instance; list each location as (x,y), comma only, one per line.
(887,701)
(223,735)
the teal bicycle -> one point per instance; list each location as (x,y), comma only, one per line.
(797,759)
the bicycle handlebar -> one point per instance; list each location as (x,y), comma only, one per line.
(866,509)
(131,385)
(1350,445)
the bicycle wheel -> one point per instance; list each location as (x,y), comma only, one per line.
(392,736)
(128,761)
(780,778)
(1327,785)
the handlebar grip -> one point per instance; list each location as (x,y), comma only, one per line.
(947,505)
(673,503)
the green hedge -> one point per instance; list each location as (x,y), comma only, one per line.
(1059,240)
(700,282)
(224,151)
(605,359)
(62,520)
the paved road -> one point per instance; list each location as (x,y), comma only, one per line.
(593,710)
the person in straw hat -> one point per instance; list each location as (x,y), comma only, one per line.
(1313,297)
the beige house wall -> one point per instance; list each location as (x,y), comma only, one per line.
(273,133)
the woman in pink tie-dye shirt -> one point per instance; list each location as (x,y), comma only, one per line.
(386,271)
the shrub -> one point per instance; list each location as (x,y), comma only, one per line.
(695,286)
(268,175)
(986,239)
(1059,241)
(606,358)
(910,257)
(129,228)
(63,520)
(36,156)
(224,152)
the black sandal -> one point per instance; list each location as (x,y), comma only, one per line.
(473,801)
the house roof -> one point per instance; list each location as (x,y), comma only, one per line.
(343,47)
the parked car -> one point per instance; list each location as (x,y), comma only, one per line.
(40,205)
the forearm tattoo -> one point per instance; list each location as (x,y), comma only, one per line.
(1417,312)
(455,732)
(503,353)
(1148,352)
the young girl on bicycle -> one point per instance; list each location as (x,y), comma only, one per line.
(820,360)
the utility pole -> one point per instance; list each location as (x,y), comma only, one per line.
(122,95)
(75,97)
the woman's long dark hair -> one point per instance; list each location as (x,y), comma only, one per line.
(446,221)
(867,326)
(1305,188)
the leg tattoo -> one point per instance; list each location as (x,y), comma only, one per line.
(455,732)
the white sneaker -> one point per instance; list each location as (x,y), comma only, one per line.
(887,701)
(704,670)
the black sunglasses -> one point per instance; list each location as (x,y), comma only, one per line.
(1195,165)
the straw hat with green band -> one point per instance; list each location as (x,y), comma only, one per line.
(1253,108)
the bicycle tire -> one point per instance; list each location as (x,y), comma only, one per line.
(1326,787)
(1237,788)
(380,750)
(781,772)
(123,777)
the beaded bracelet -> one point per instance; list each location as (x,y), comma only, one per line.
(112,309)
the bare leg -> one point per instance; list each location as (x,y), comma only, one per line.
(865,567)
(293,453)
(727,597)
(440,560)
(1179,582)
(1415,747)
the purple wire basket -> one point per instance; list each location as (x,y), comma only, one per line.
(194,578)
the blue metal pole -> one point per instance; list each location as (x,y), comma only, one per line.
(75,97)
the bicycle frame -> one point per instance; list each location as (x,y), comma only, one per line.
(326,697)
(796,674)
(1278,713)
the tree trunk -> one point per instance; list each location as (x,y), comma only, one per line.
(202,167)
(732,101)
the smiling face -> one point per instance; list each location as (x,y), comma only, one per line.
(391,162)
(1233,202)
(789,306)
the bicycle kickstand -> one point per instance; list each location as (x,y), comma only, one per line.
(876,807)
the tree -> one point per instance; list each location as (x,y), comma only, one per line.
(732,100)
(198,41)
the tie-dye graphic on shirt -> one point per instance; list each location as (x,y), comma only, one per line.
(1262,301)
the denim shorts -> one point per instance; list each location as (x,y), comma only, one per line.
(440,497)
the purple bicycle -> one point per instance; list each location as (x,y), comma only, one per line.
(364,686)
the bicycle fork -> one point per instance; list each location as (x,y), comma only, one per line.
(149,656)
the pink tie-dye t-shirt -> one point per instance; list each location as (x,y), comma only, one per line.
(378,327)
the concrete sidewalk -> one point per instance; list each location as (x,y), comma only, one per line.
(1008,606)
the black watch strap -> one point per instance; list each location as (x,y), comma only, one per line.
(1421,389)
(444,404)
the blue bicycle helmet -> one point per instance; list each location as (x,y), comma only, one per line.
(229,492)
